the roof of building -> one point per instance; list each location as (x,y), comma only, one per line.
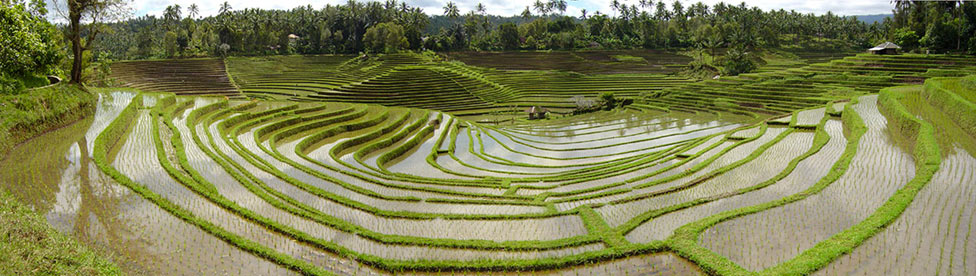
(886,45)
(537,109)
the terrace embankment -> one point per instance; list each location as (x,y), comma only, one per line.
(179,76)
(354,185)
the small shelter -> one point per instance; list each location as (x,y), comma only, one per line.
(537,112)
(886,48)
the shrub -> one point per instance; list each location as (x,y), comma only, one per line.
(609,102)
(737,61)
(30,47)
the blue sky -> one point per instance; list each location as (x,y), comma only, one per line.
(503,7)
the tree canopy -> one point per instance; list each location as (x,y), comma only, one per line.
(31,46)
(940,26)
(386,38)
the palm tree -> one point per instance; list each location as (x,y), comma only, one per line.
(225,7)
(480,8)
(451,10)
(614,6)
(583,14)
(644,4)
(194,10)
(540,7)
(560,5)
(171,15)
(526,14)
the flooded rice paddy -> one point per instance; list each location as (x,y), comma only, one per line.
(370,190)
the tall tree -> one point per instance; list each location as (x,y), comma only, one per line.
(509,36)
(526,14)
(615,6)
(541,8)
(91,14)
(224,7)
(559,5)
(451,10)
(480,8)
(193,10)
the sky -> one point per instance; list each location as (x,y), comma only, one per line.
(508,7)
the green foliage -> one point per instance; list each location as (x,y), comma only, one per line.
(31,47)
(737,61)
(385,38)
(509,36)
(940,36)
(169,42)
(608,100)
(936,26)
(906,38)
(342,29)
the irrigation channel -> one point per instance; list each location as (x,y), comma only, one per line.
(206,185)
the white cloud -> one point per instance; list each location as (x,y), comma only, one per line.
(503,7)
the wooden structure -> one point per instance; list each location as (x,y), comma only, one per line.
(886,48)
(537,112)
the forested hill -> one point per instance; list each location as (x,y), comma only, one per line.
(359,26)
(392,26)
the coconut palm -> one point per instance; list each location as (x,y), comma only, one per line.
(615,6)
(193,10)
(451,10)
(480,8)
(540,7)
(559,5)
(224,7)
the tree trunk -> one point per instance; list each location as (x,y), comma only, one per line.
(74,33)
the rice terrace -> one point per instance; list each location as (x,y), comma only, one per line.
(372,138)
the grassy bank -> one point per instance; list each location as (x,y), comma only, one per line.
(28,244)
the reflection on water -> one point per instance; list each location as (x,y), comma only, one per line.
(54,173)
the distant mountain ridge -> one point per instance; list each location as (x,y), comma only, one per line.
(871,18)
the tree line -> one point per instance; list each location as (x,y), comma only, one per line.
(101,30)
(939,26)
(544,25)
(344,29)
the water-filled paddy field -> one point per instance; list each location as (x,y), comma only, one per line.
(207,185)
(676,185)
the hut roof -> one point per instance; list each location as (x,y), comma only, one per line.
(537,109)
(886,45)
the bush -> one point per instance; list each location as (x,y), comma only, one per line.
(30,47)
(609,102)
(737,61)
